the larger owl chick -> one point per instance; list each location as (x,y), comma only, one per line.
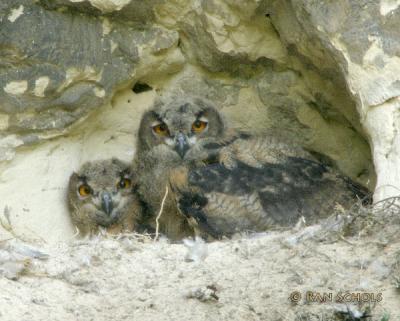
(221,181)
(101,194)
(176,131)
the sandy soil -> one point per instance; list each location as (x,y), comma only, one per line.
(250,278)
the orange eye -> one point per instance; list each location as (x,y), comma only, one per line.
(84,190)
(161,129)
(124,183)
(198,126)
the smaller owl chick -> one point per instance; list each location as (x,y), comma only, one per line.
(102,195)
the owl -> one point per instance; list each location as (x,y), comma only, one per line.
(175,132)
(218,181)
(102,195)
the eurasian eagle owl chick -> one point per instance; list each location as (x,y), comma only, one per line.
(102,194)
(174,132)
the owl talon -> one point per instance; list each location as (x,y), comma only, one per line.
(191,206)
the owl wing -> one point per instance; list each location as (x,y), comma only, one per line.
(248,198)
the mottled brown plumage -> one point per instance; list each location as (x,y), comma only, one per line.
(102,195)
(221,181)
(267,183)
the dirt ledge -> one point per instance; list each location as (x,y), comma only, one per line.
(131,277)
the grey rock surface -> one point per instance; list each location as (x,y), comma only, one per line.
(58,65)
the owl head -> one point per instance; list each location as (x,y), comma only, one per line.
(100,191)
(180,126)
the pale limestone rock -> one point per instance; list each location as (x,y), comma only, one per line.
(236,29)
(16,13)
(40,86)
(8,145)
(378,90)
(4,119)
(388,6)
(109,5)
(383,123)
(106,6)
(16,87)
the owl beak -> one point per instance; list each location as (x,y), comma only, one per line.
(106,202)
(181,144)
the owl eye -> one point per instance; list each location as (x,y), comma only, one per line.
(161,129)
(124,183)
(84,190)
(198,126)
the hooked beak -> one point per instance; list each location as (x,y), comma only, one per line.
(181,144)
(106,202)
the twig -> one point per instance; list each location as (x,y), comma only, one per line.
(160,212)
(345,240)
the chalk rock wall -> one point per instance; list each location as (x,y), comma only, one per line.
(357,43)
(77,74)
